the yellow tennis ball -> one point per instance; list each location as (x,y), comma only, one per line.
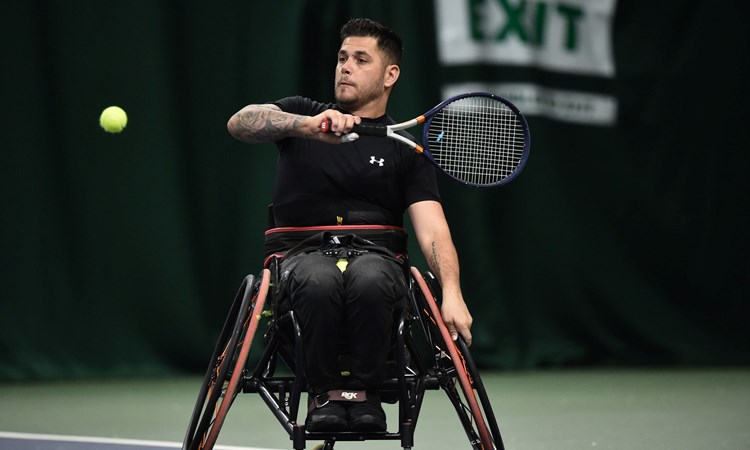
(113,119)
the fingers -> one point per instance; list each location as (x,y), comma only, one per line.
(463,331)
(466,334)
(457,319)
(453,332)
(332,137)
(337,123)
(344,124)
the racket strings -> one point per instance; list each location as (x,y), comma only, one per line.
(478,140)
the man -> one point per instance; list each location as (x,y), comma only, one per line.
(344,290)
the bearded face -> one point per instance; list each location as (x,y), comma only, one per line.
(360,73)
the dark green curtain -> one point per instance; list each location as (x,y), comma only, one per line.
(121,253)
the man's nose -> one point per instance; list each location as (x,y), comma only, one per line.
(345,67)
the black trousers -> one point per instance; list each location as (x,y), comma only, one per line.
(350,310)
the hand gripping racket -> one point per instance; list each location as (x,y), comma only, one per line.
(478,139)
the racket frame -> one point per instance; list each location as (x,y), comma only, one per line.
(426,120)
(390,131)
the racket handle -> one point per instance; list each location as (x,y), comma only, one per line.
(370,129)
(365,129)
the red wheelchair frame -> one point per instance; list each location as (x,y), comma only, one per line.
(446,365)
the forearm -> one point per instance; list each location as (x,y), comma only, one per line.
(434,238)
(435,242)
(443,261)
(264,123)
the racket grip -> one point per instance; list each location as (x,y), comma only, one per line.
(365,129)
(370,129)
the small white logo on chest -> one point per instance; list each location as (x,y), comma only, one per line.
(378,161)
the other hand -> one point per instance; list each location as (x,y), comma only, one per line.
(456,316)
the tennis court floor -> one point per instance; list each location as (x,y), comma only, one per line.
(701,409)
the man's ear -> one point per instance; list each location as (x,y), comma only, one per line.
(392,72)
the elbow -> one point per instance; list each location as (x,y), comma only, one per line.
(232,126)
(249,124)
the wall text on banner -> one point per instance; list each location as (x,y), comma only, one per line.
(572,36)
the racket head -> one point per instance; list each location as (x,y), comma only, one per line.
(478,139)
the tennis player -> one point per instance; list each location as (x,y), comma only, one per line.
(344,282)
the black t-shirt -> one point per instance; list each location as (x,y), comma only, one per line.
(369,181)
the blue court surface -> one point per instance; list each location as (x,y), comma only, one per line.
(644,409)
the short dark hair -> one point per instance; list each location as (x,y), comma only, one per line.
(388,41)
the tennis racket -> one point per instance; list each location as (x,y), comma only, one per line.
(478,139)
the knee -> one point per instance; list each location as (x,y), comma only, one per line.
(374,274)
(315,278)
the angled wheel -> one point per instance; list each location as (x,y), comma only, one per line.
(456,371)
(223,379)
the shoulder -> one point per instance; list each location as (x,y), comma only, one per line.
(302,105)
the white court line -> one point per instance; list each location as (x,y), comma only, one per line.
(105,440)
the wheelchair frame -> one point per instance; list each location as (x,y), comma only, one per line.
(450,368)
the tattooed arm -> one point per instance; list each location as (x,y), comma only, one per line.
(435,241)
(267,123)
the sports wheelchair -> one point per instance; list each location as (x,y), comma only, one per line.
(444,364)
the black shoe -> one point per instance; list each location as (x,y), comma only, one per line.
(367,416)
(330,417)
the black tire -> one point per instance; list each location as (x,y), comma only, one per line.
(484,400)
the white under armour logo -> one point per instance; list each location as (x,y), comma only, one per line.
(380,162)
(349,395)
